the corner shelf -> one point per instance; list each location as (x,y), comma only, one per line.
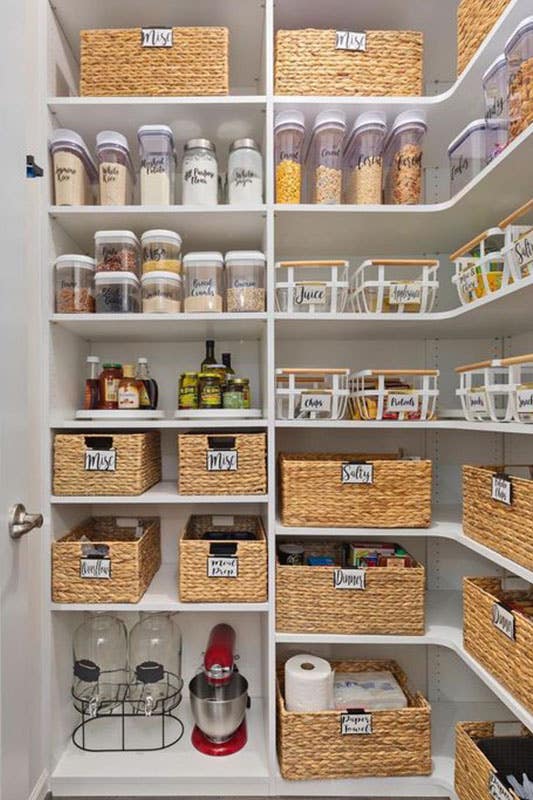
(164,493)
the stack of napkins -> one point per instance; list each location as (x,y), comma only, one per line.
(371,691)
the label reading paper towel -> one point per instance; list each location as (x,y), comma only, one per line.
(356,724)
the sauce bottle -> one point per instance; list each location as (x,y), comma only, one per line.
(109,381)
(209,359)
(129,389)
(91,394)
(149,391)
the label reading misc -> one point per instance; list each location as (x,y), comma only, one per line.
(310,294)
(357,473)
(497,790)
(100,460)
(502,490)
(396,401)
(349,579)
(95,568)
(402,293)
(503,620)
(222,461)
(315,402)
(356,724)
(524,399)
(222,566)
(477,401)
(350,40)
(156,37)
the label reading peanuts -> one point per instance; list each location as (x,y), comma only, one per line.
(357,473)
(156,37)
(95,568)
(503,620)
(100,460)
(396,401)
(356,724)
(468,280)
(350,40)
(497,790)
(310,294)
(222,567)
(315,402)
(524,399)
(502,490)
(476,401)
(349,579)
(400,293)
(222,461)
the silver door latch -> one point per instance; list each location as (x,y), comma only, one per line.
(20,522)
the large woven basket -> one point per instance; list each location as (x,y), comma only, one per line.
(137,463)
(308,62)
(247,561)
(392,602)
(475,20)
(311,746)
(195,477)
(509,660)
(132,550)
(114,62)
(507,529)
(312,492)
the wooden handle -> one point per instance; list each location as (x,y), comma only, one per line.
(314,371)
(401,372)
(469,246)
(507,362)
(404,262)
(311,264)
(477,365)
(285,379)
(516,214)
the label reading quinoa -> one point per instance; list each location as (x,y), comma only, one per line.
(350,40)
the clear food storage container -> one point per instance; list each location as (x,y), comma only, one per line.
(311,393)
(480,267)
(394,394)
(161,251)
(158,165)
(325,157)
(204,284)
(74,284)
(485,391)
(521,382)
(117,292)
(115,169)
(117,251)
(394,285)
(519,55)
(199,174)
(311,286)
(472,150)
(161,292)
(363,159)
(495,88)
(289,132)
(403,159)
(75,175)
(245,173)
(245,280)
(518,243)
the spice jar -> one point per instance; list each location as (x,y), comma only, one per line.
(245,173)
(289,131)
(110,378)
(117,251)
(325,154)
(203,281)
(161,250)
(75,175)
(519,55)
(161,292)
(209,392)
(115,169)
(403,159)
(158,165)
(188,390)
(363,159)
(233,396)
(495,85)
(245,280)
(199,174)
(74,284)
(116,293)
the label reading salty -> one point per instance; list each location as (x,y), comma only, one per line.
(497,790)
(477,401)
(356,724)
(522,252)
(315,402)
(156,37)
(397,401)
(400,293)
(349,579)
(524,399)
(468,280)
(100,460)
(502,490)
(222,566)
(503,620)
(357,473)
(95,568)
(310,294)
(222,461)
(350,40)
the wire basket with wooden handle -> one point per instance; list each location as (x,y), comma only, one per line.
(314,393)
(311,286)
(518,244)
(485,391)
(394,394)
(394,285)
(480,268)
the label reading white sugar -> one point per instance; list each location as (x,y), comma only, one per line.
(525,400)
(497,790)
(349,579)
(315,402)
(468,280)
(350,40)
(477,401)
(502,490)
(357,473)
(401,402)
(503,620)
(100,460)
(95,568)
(222,461)
(156,37)
(356,724)
(310,294)
(400,293)
(222,566)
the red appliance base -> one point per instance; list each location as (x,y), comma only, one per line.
(210,748)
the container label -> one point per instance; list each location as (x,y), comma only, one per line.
(503,620)
(156,37)
(497,790)
(525,400)
(222,566)
(522,252)
(468,280)
(203,288)
(400,293)
(349,579)
(95,568)
(401,402)
(315,402)
(222,461)
(310,294)
(459,167)
(350,40)
(356,724)
(100,460)
(502,490)
(477,401)
(357,473)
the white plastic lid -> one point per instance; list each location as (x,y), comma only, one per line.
(497,64)
(115,237)
(517,33)
(370,118)
(330,116)
(241,256)
(476,125)
(116,277)
(408,118)
(162,236)
(160,275)
(289,117)
(64,136)
(111,138)
(85,262)
(204,257)
(155,130)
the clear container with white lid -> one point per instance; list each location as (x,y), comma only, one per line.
(117,293)
(363,159)
(403,159)
(471,151)
(158,165)
(75,174)
(325,157)
(519,55)
(495,87)
(161,251)
(245,280)
(245,173)
(204,282)
(289,132)
(161,292)
(199,173)
(117,251)
(115,169)
(74,284)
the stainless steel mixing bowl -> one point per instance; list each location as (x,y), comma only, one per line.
(218,710)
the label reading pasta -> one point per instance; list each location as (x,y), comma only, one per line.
(349,579)
(222,567)
(156,37)
(503,620)
(350,40)
(502,490)
(356,724)
(357,473)
(222,461)
(100,460)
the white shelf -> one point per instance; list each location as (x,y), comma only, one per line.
(162,493)
(165,424)
(429,425)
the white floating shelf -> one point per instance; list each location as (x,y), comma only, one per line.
(164,424)
(429,425)
(219,414)
(162,493)
(119,415)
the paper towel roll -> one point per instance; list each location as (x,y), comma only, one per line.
(308,684)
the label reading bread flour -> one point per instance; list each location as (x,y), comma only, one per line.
(349,579)
(356,724)
(401,402)
(502,490)
(310,294)
(497,790)
(156,37)
(477,401)
(503,620)
(315,402)
(222,566)
(222,461)
(100,460)
(350,40)
(401,293)
(95,568)
(524,399)
(357,473)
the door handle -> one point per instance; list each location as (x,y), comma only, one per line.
(21,522)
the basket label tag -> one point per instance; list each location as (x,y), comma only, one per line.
(400,293)
(477,401)
(222,461)
(497,790)
(525,400)
(310,294)
(222,566)
(156,37)
(350,40)
(502,489)
(522,253)
(100,460)
(468,279)
(315,402)
(95,568)
(357,473)
(401,402)
(349,579)
(356,724)
(503,620)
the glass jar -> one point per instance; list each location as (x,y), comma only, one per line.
(117,251)
(363,159)
(199,174)
(245,173)
(161,293)
(472,150)
(325,154)
(289,132)
(246,393)
(74,284)
(158,165)
(495,86)
(155,663)
(117,293)
(403,159)
(188,390)
(161,250)
(100,656)
(245,280)
(75,174)
(519,55)
(233,396)
(209,390)
(109,379)
(115,169)
(203,282)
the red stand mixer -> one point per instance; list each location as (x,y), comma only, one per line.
(219,698)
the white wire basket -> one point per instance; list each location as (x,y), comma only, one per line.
(394,286)
(394,394)
(485,391)
(521,385)
(310,286)
(480,268)
(518,244)
(311,393)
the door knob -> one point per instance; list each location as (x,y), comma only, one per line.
(20,522)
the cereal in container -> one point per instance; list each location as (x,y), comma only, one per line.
(363,159)
(117,251)
(158,165)
(519,55)
(289,131)
(325,157)
(74,284)
(75,175)
(245,280)
(203,282)
(115,169)
(161,251)
(403,159)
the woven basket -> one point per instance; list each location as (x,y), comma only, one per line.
(307,601)
(509,660)
(307,62)
(133,561)
(250,582)
(507,529)
(195,477)
(137,463)
(311,746)
(312,492)
(475,20)
(114,62)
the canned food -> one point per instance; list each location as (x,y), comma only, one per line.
(188,390)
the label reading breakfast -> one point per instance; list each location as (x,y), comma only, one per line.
(100,460)
(524,399)
(503,620)
(502,490)
(402,293)
(401,402)
(222,567)
(349,579)
(497,790)
(315,402)
(222,461)
(356,724)
(95,568)
(350,40)
(477,401)
(357,473)
(310,294)
(156,37)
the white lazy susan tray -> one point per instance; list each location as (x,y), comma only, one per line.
(218,413)
(118,414)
